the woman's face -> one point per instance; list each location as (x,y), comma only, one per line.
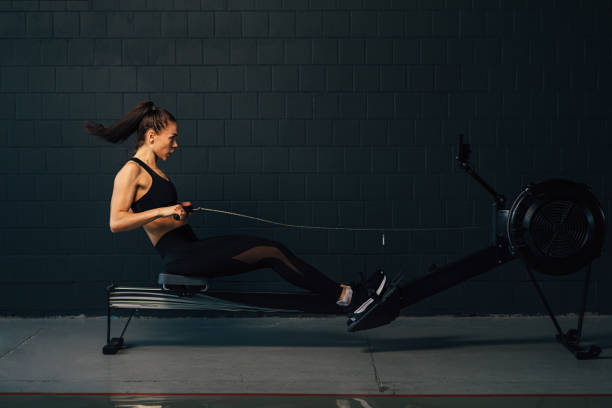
(165,141)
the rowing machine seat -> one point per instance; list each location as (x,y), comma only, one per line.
(183,285)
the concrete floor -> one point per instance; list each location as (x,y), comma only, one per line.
(433,355)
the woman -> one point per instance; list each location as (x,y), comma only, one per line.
(143,196)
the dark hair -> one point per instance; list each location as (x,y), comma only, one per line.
(141,118)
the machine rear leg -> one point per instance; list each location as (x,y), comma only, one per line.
(571,339)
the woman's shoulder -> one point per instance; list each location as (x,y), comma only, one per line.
(129,171)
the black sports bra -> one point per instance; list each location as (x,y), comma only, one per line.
(161,194)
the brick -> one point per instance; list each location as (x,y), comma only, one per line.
(319,132)
(544,105)
(406,51)
(120,24)
(318,187)
(418,24)
(231,79)
(303,159)
(379,51)
(228,24)
(298,51)
(363,24)
(358,160)
(308,23)
(393,78)
(408,106)
(272,106)
(556,77)
(71,78)
(12,25)
(162,52)
(217,106)
(282,24)
(326,106)
(265,132)
(489,106)
(244,106)
(445,24)
(92,24)
(275,159)
(189,52)
(238,132)
(14,79)
(324,51)
(292,132)
(401,132)
(285,78)
(214,4)
(255,24)
(462,106)
(234,187)
(421,78)
(107,52)
(174,24)
(221,160)
(474,78)
(270,51)
(503,77)
(500,23)
(312,78)
(380,106)
(299,106)
(200,25)
(27,52)
(527,24)
(346,187)
(336,23)
(487,51)
(412,160)
(187,5)
(330,160)
(37,24)
(352,106)
(258,78)
(390,24)
(340,78)
(473,23)
(203,79)
(460,51)
(210,133)
(149,78)
(291,187)
(264,187)
(216,51)
(346,133)
(433,51)
(27,106)
(190,106)
(248,160)
(66,24)
(81,106)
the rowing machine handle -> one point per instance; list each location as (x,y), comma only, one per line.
(187,208)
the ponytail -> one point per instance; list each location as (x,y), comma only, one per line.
(142,117)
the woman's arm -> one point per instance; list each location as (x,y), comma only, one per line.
(124,190)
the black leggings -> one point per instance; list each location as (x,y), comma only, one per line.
(184,254)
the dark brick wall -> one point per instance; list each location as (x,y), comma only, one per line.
(320,112)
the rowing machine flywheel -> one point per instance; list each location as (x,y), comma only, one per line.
(557,226)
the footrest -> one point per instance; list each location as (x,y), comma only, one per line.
(384,311)
(169,279)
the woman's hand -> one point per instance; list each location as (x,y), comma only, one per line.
(176,209)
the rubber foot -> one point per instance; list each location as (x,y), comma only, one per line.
(110,349)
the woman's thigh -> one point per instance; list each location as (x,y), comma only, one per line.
(214,257)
